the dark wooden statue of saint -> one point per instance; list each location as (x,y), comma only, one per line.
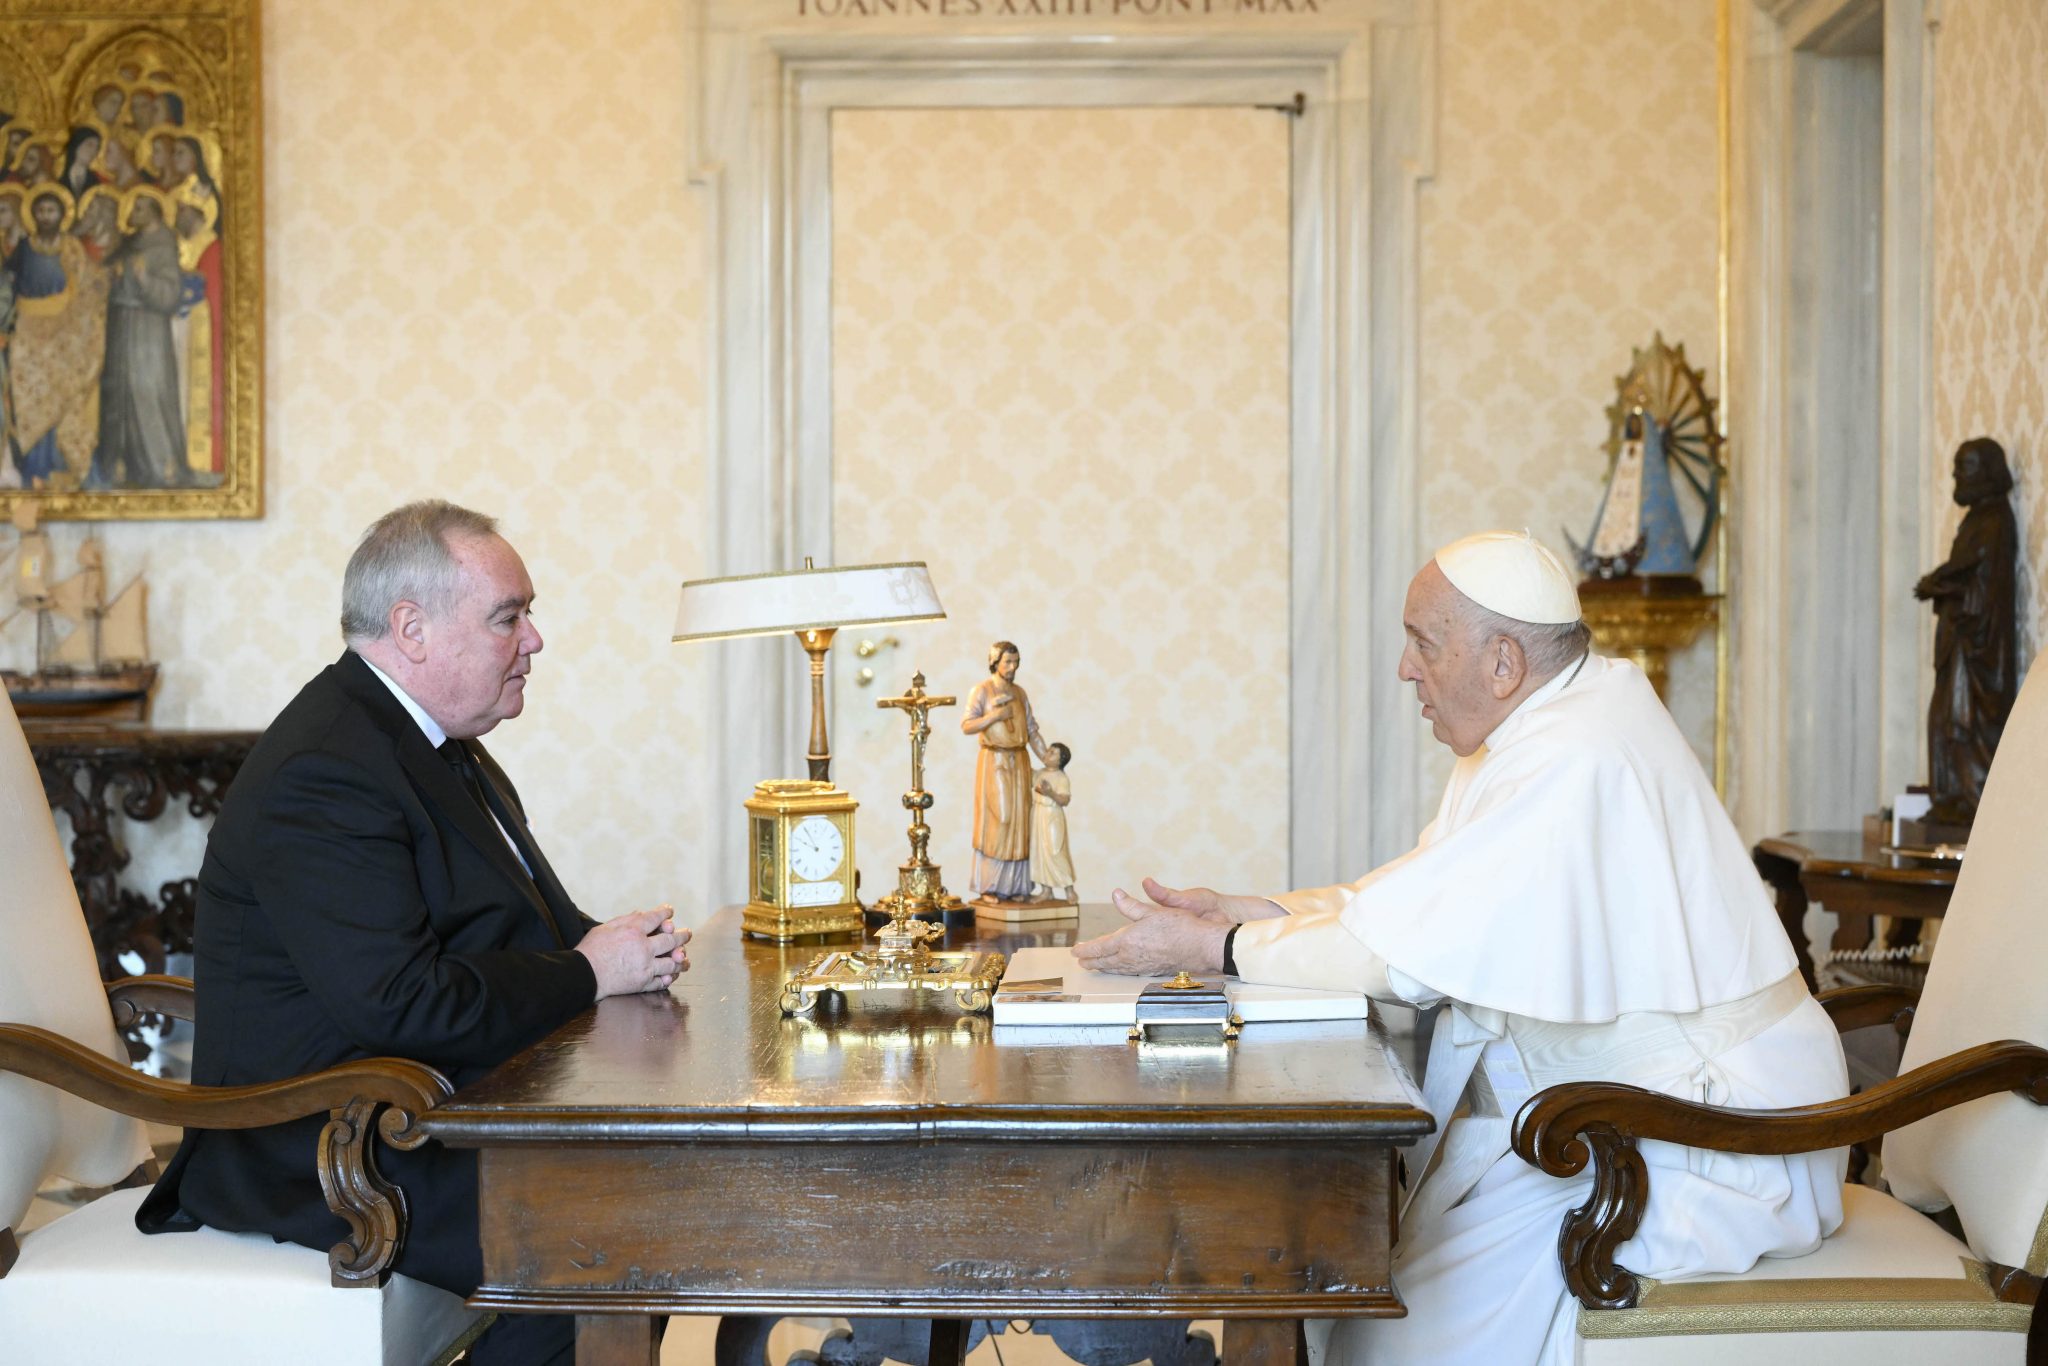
(1976,650)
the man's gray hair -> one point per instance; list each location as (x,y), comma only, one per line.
(1547,648)
(404,556)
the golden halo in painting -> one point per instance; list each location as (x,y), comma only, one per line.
(152,62)
(49,189)
(192,195)
(136,193)
(146,149)
(173,89)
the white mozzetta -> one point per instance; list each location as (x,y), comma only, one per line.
(1579,868)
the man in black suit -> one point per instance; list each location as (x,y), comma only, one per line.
(371,889)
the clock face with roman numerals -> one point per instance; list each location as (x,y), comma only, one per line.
(816,848)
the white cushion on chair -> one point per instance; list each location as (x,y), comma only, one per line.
(1990,1158)
(49,977)
(1809,1349)
(1890,1286)
(90,1287)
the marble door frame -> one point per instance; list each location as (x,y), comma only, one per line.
(765,89)
(1824,734)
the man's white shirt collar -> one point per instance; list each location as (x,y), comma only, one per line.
(431,728)
(435,735)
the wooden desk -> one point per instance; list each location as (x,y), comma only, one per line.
(698,1153)
(1853,878)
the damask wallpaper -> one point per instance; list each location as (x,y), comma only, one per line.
(1573,214)
(1060,377)
(486,280)
(1991,267)
(485,284)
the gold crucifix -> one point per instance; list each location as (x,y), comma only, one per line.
(919,704)
(919,890)
(902,959)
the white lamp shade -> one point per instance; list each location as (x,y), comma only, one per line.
(806,600)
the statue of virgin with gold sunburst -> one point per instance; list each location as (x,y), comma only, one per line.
(1662,496)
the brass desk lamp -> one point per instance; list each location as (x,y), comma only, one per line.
(800,845)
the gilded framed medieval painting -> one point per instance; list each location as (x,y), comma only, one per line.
(131,258)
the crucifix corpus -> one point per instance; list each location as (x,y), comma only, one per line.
(920,891)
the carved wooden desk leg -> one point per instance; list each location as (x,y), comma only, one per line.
(615,1340)
(1783,876)
(1264,1342)
(742,1339)
(949,1343)
(1852,931)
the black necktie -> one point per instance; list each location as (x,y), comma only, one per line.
(486,797)
(496,811)
(463,762)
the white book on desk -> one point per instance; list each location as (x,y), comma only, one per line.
(1045,986)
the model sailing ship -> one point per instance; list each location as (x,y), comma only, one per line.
(91,654)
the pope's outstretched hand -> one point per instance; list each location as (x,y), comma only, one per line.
(1161,938)
(1225,909)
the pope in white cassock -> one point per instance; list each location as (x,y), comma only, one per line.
(1583,909)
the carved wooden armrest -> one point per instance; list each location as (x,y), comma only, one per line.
(153,994)
(352,1094)
(1859,1007)
(1562,1129)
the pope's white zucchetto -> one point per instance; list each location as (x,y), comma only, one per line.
(1513,574)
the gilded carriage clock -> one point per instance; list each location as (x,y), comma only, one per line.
(800,860)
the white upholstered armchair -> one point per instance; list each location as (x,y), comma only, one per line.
(89,1286)
(1968,1125)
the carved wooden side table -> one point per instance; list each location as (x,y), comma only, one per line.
(1853,877)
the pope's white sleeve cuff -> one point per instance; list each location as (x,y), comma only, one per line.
(1314,900)
(1309,951)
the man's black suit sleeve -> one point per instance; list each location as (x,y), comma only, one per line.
(337,874)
